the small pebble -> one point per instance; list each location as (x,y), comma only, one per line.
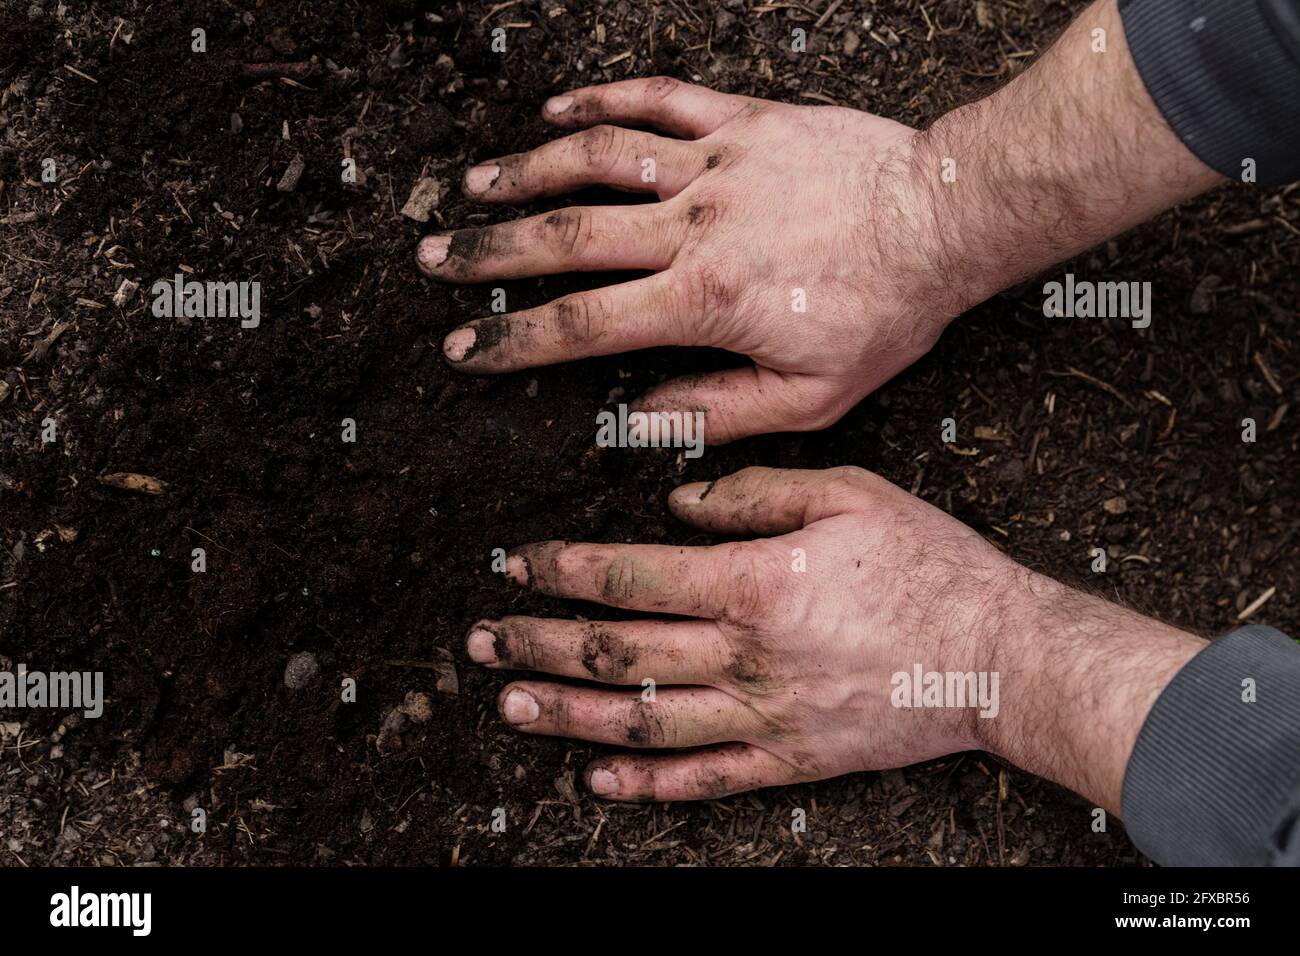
(301,670)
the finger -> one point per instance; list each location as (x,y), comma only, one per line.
(618,318)
(577,239)
(676,717)
(702,775)
(682,109)
(601,156)
(696,582)
(667,652)
(741,402)
(769,501)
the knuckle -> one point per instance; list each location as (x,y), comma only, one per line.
(605,655)
(710,294)
(712,783)
(811,406)
(522,646)
(820,416)
(850,482)
(583,317)
(603,145)
(568,233)
(568,562)
(700,215)
(747,664)
(662,87)
(650,724)
(742,581)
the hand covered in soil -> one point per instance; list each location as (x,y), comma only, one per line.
(796,235)
(784,667)
(795,656)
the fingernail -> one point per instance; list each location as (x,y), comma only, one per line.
(479,178)
(558,104)
(603,783)
(457,345)
(517,569)
(481,646)
(691,494)
(433,251)
(519,707)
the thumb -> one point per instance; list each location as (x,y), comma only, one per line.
(741,402)
(771,501)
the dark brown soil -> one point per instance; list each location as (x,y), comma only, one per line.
(374,556)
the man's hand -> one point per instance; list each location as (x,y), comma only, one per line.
(883,234)
(794,235)
(784,668)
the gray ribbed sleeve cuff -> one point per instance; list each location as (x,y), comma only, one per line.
(1226,76)
(1214,778)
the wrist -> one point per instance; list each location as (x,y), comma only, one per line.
(1066,155)
(1078,676)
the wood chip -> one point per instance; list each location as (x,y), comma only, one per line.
(292,173)
(565,788)
(42,348)
(423,200)
(448,682)
(130,481)
(124,292)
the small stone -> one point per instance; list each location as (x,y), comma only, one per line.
(1114,506)
(301,670)
(851,42)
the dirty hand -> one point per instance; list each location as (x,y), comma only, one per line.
(795,235)
(783,671)
(796,655)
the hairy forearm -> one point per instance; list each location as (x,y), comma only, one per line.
(1071,152)
(1079,675)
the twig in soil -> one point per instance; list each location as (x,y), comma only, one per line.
(131,481)
(84,76)
(1106,387)
(42,348)
(1248,228)
(1256,604)
(497,9)
(217,543)
(1268,374)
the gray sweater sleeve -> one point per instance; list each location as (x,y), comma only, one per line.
(1214,778)
(1225,74)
